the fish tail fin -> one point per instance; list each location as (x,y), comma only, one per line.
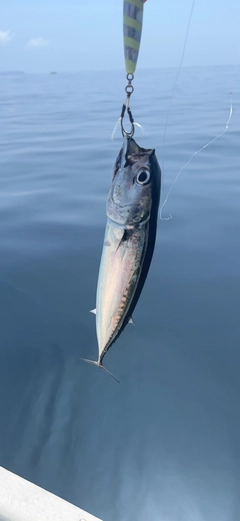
(99,364)
(93,362)
(107,371)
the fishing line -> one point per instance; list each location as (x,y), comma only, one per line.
(174,87)
(176,79)
(204,146)
(212,140)
(190,159)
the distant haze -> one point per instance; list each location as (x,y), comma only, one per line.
(55,35)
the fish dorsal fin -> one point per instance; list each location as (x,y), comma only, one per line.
(131,321)
(94,311)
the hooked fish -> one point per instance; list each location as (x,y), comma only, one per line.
(132,214)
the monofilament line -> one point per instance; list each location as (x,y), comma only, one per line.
(176,80)
(190,159)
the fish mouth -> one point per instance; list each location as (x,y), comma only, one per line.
(129,154)
(134,152)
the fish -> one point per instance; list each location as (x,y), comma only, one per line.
(129,241)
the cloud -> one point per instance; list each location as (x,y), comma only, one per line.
(37,43)
(5,37)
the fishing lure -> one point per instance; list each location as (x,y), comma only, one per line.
(132,32)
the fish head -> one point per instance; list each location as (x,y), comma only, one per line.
(135,185)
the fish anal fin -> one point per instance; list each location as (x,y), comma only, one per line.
(94,311)
(131,321)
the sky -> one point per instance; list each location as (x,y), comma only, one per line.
(80,35)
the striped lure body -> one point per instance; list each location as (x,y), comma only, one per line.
(132,31)
(132,213)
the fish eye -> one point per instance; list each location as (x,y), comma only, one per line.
(143,177)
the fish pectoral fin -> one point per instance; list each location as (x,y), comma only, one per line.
(99,364)
(123,238)
(131,321)
(94,311)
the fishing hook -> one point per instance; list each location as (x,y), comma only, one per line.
(126,106)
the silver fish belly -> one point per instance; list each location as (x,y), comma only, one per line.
(132,214)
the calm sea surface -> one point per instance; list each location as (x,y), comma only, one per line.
(165,444)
